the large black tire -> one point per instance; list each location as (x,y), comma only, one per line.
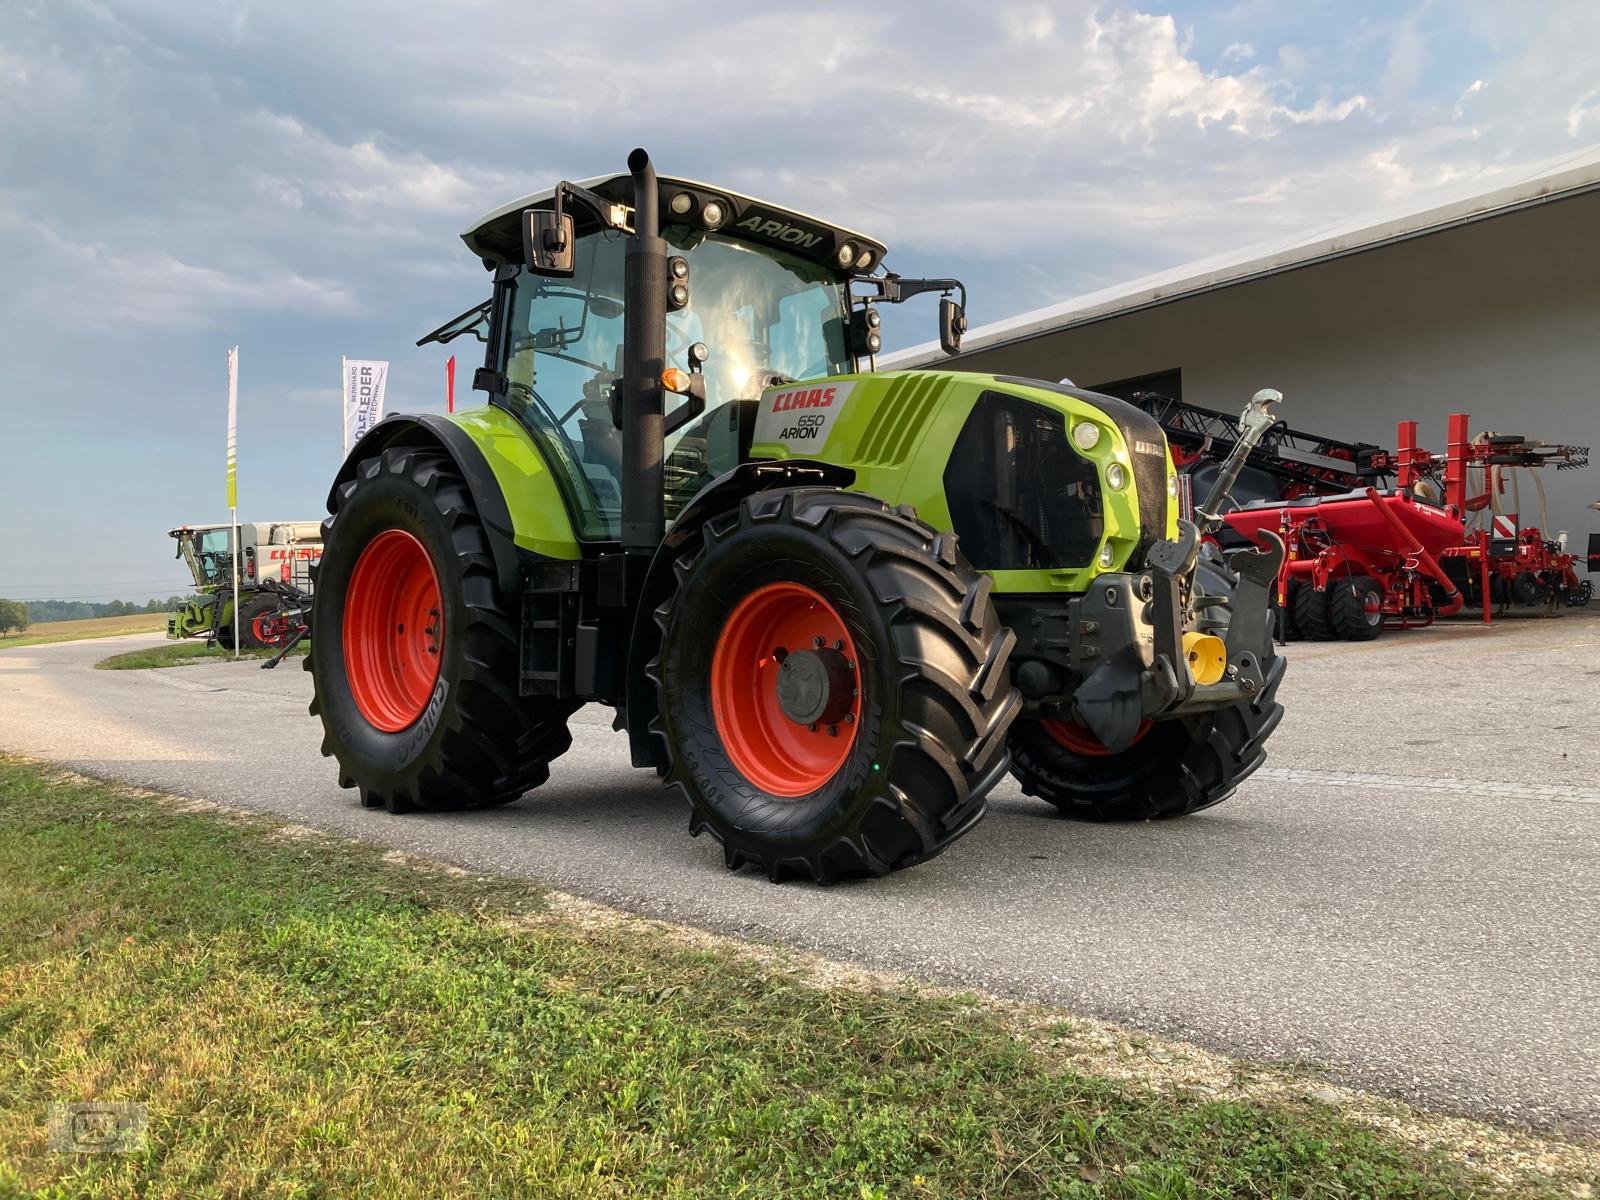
(1355,608)
(1309,609)
(478,742)
(257,604)
(1179,767)
(932,667)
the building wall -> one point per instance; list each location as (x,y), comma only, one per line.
(1499,319)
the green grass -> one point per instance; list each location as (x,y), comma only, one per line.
(45,632)
(177,654)
(305,1019)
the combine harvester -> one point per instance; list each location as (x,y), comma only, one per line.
(1380,538)
(274,582)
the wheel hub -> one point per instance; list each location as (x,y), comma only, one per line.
(786,689)
(815,687)
(393,631)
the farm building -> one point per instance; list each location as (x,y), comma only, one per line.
(1487,303)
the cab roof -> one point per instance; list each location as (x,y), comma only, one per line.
(497,237)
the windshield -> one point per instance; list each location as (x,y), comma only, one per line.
(210,554)
(757,311)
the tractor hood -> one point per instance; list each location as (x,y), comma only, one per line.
(687,203)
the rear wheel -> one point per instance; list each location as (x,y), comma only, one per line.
(415,660)
(1172,769)
(1355,608)
(834,690)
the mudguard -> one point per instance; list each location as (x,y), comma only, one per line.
(428,429)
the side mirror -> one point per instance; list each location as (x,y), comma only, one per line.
(952,324)
(548,244)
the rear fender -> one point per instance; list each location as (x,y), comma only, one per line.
(721,495)
(435,432)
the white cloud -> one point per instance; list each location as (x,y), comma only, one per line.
(102,287)
(1580,113)
(1239,52)
(1472,90)
(1408,58)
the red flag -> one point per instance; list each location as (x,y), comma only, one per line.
(450,385)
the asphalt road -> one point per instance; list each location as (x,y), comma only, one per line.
(1407,896)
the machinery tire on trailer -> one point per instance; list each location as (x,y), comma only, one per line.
(1308,609)
(1355,608)
(416,655)
(1174,768)
(845,710)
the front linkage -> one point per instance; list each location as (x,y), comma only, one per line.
(1177,671)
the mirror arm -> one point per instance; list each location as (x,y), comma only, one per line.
(893,289)
(614,216)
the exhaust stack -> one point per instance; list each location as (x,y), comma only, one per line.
(644,357)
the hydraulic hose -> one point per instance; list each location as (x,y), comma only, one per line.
(1452,597)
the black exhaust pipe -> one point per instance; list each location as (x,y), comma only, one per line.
(644,357)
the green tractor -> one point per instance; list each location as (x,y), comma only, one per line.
(832,608)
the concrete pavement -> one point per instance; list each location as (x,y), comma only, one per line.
(1407,896)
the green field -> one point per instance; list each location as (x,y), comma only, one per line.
(45,632)
(177,654)
(306,1018)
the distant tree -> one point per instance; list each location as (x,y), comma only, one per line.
(13,615)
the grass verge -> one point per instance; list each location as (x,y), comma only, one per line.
(177,654)
(45,632)
(308,1017)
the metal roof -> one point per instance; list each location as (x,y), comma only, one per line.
(1557,178)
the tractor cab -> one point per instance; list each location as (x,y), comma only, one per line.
(756,296)
(207,550)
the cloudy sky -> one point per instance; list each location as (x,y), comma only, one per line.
(180,176)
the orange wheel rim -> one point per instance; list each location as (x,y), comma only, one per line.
(393,631)
(1079,740)
(784,655)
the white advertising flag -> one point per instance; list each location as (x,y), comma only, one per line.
(364,381)
(233,427)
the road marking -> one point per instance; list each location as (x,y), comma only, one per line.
(1560,792)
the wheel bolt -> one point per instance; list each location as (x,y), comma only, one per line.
(839,644)
(812,727)
(833,731)
(819,643)
(849,718)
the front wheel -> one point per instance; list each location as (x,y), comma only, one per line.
(834,691)
(255,614)
(1174,768)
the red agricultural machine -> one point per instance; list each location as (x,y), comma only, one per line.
(1380,538)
